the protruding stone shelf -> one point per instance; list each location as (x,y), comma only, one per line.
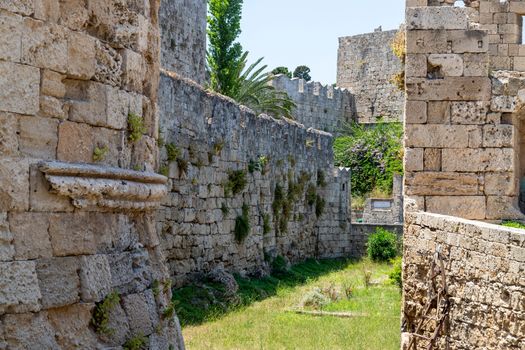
(105,187)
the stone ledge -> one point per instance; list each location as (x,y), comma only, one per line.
(91,186)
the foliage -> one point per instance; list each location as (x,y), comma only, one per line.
(102,311)
(398,47)
(99,154)
(358,202)
(164,170)
(302,72)
(382,245)
(319,205)
(258,165)
(138,342)
(225,209)
(266,224)
(242,224)
(279,265)
(136,127)
(311,194)
(315,299)
(217,147)
(396,276)
(173,152)
(236,182)
(169,311)
(182,164)
(224,54)
(283,71)
(321,178)
(278,199)
(373,154)
(398,80)
(513,224)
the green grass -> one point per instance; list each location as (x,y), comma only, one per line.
(260,317)
(513,224)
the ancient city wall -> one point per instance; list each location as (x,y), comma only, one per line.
(481,266)
(462,126)
(296,202)
(71,74)
(321,107)
(365,66)
(183,33)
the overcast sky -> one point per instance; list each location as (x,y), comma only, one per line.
(296,32)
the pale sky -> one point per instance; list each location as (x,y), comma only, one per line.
(296,32)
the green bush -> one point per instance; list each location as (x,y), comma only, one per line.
(396,273)
(242,224)
(279,265)
(382,245)
(513,224)
(374,155)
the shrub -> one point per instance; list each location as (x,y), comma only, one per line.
(311,195)
(173,152)
(279,265)
(382,245)
(236,182)
(99,154)
(319,206)
(102,311)
(242,224)
(135,127)
(315,299)
(396,275)
(266,224)
(138,342)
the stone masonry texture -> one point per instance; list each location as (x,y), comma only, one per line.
(365,66)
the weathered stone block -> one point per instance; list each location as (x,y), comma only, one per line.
(415,112)
(136,308)
(436,136)
(75,142)
(469,112)
(503,208)
(476,65)
(133,69)
(130,271)
(442,184)
(468,207)
(44,45)
(108,67)
(58,281)
(10,37)
(24,7)
(88,102)
(31,236)
(72,234)
(446,41)
(7,250)
(72,326)
(117,108)
(432,159)
(449,65)
(499,136)
(8,134)
(51,107)
(47,10)
(118,322)
(40,198)
(438,18)
(20,88)
(14,185)
(472,160)
(52,84)
(438,112)
(95,278)
(19,291)
(81,56)
(505,184)
(413,159)
(29,331)
(449,89)
(38,137)
(74,14)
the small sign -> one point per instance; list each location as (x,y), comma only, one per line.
(381,204)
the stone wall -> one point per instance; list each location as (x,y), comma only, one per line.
(483,266)
(321,107)
(289,174)
(365,66)
(462,130)
(183,29)
(71,72)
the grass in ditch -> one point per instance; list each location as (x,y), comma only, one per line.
(262,315)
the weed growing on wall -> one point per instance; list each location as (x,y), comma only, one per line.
(173,152)
(136,127)
(242,224)
(373,154)
(99,154)
(236,182)
(100,320)
(138,342)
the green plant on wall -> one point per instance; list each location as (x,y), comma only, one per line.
(173,152)
(101,314)
(138,342)
(183,165)
(242,224)
(319,205)
(236,182)
(136,127)
(100,153)
(266,224)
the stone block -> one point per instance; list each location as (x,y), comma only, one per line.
(425,18)
(8,134)
(108,69)
(47,10)
(19,291)
(95,278)
(20,88)
(415,112)
(449,65)
(39,137)
(88,102)
(499,136)
(503,208)
(432,159)
(416,65)
(505,184)
(72,234)
(81,56)
(31,238)
(72,326)
(40,197)
(468,207)
(469,112)
(58,281)
(413,159)
(475,65)
(44,45)
(14,185)
(473,160)
(7,250)
(438,112)
(133,69)
(29,331)
(51,107)
(115,141)
(74,14)
(130,271)
(118,322)
(10,37)
(75,142)
(117,108)
(447,41)
(436,136)
(23,7)
(442,184)
(52,84)
(449,89)
(136,308)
